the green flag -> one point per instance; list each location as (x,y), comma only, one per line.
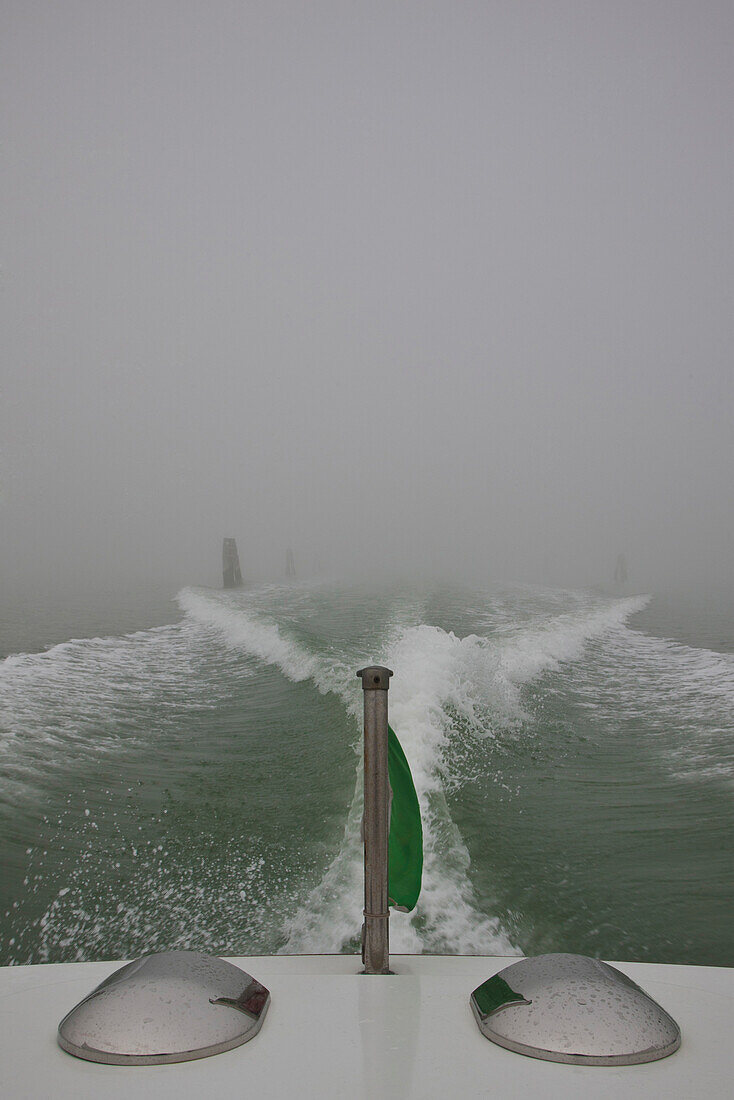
(405,844)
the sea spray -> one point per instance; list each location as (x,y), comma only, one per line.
(199,784)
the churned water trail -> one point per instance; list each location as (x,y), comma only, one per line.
(199,784)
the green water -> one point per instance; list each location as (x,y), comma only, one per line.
(186,774)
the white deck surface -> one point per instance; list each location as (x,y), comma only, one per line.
(332,1032)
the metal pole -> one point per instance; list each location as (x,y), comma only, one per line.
(375,930)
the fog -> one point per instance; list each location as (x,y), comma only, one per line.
(414,288)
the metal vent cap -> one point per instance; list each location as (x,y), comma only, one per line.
(570,1008)
(169,1007)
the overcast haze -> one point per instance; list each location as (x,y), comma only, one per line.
(444,283)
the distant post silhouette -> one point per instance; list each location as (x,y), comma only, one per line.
(620,570)
(231,575)
(290,565)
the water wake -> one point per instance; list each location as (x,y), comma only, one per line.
(456,702)
(439,674)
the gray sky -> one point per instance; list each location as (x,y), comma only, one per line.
(446,283)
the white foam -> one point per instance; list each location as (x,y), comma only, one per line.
(245,629)
(52,695)
(531,649)
(433,668)
(474,676)
(439,669)
(96,695)
(679,694)
(437,674)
